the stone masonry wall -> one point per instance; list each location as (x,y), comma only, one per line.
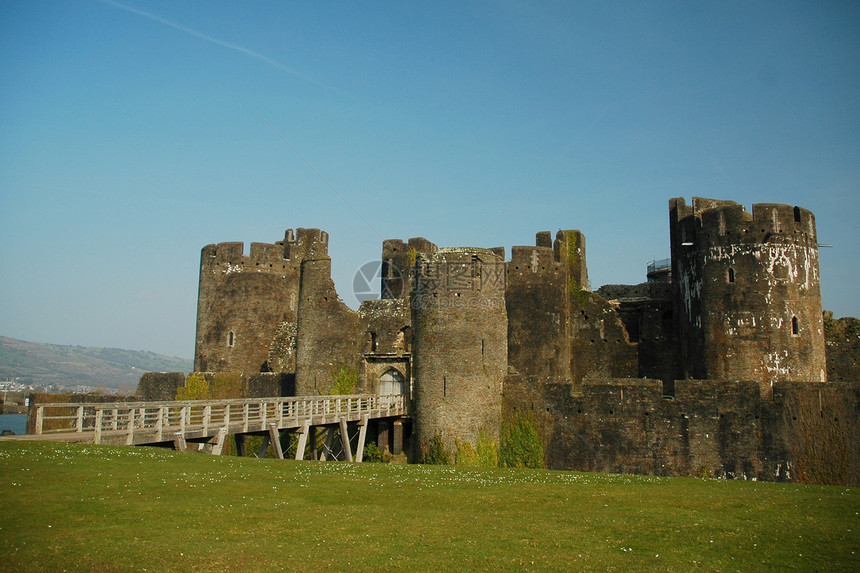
(843,348)
(154,386)
(749,293)
(460,346)
(329,332)
(808,432)
(387,328)
(647,314)
(247,305)
(538,312)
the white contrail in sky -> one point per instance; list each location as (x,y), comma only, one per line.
(212,40)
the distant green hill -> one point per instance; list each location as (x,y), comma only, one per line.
(40,365)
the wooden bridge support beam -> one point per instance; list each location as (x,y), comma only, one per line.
(313,439)
(97,433)
(240,444)
(329,442)
(275,438)
(303,440)
(264,447)
(362,434)
(344,438)
(218,445)
(179,442)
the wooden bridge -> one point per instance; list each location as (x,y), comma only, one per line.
(211,421)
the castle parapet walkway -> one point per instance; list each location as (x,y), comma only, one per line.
(150,423)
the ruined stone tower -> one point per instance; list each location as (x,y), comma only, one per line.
(398,258)
(747,296)
(460,345)
(247,304)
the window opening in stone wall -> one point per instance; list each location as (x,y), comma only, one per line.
(444,386)
(731,275)
(407,338)
(482,347)
(373,342)
(231,339)
(797,214)
(794,327)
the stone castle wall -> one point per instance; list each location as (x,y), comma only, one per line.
(621,379)
(842,340)
(329,332)
(538,312)
(806,432)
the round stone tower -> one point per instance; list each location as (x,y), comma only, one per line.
(747,292)
(460,331)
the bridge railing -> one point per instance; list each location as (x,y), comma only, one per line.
(170,417)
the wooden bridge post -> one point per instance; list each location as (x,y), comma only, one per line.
(97,433)
(329,441)
(129,438)
(79,419)
(179,441)
(362,433)
(218,446)
(264,447)
(40,417)
(207,413)
(344,438)
(313,439)
(182,414)
(303,440)
(159,428)
(275,438)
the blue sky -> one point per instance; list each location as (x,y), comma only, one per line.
(132,134)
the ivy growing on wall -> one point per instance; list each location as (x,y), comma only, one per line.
(436,453)
(344,380)
(521,446)
(484,455)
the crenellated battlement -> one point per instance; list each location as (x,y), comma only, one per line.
(229,257)
(307,244)
(709,222)
(537,259)
(568,250)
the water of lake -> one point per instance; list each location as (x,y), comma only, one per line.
(15,422)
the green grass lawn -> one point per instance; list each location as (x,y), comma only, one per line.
(98,508)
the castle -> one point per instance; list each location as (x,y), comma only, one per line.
(716,365)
